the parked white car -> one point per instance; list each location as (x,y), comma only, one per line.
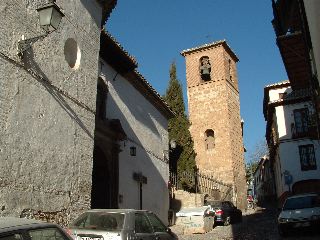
(299,211)
(119,224)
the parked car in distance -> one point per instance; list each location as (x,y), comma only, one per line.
(21,228)
(119,224)
(224,212)
(299,211)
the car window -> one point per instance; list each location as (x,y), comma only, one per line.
(228,204)
(11,237)
(100,221)
(214,203)
(156,223)
(47,234)
(142,224)
(301,202)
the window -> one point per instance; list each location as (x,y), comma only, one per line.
(100,221)
(11,237)
(230,70)
(46,234)
(209,139)
(282,95)
(142,224)
(205,68)
(301,120)
(158,226)
(307,157)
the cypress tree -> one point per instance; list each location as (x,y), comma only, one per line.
(178,126)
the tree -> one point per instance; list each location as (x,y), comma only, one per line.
(178,126)
(260,150)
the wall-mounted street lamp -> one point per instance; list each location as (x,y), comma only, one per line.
(50,16)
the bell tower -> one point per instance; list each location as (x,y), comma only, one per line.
(214,113)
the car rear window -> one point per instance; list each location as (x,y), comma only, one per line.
(100,221)
(302,202)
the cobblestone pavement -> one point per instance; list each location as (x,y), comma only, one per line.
(256,224)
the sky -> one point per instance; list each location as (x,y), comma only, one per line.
(155,32)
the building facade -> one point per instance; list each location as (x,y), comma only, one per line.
(143,115)
(292,139)
(47,109)
(263,179)
(214,113)
(296,24)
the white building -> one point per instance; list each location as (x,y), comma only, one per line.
(143,115)
(291,137)
(264,187)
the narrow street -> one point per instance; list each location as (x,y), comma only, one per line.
(257,224)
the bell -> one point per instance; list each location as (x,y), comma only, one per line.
(205,71)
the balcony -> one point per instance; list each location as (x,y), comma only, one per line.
(310,131)
(293,41)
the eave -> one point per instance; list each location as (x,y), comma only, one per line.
(107,7)
(211,45)
(114,54)
(294,53)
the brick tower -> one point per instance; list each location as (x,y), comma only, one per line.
(214,113)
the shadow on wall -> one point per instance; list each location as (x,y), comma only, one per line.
(33,67)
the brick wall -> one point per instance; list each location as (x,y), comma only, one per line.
(215,105)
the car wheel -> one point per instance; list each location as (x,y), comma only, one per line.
(227,221)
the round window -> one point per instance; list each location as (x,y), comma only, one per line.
(72,53)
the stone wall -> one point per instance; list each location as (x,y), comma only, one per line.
(183,199)
(47,109)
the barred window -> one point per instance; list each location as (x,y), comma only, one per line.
(301,120)
(307,157)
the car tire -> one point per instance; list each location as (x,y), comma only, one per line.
(227,221)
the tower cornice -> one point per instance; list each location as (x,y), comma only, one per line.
(211,45)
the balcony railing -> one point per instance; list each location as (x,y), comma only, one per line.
(307,132)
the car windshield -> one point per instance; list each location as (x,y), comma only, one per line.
(301,202)
(99,221)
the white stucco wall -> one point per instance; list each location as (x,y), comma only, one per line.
(290,160)
(288,157)
(274,93)
(312,8)
(146,129)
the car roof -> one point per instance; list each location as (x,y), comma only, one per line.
(116,210)
(303,195)
(13,223)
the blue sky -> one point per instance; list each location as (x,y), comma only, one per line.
(155,32)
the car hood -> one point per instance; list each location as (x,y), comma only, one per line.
(300,213)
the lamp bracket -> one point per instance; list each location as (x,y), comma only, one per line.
(25,44)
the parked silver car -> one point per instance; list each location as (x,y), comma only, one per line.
(119,224)
(20,228)
(299,211)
